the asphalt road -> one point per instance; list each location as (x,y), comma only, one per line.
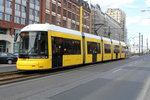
(7,67)
(127,79)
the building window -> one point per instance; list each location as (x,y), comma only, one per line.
(7,17)
(31,22)
(64,23)
(84,21)
(47,18)
(9,4)
(32,1)
(69,5)
(53,7)
(84,29)
(73,26)
(23,21)
(65,3)
(32,12)
(17,7)
(77,27)
(2,2)
(59,1)
(35,22)
(77,18)
(53,19)
(1,15)
(58,21)
(84,13)
(74,7)
(64,12)
(59,10)
(37,2)
(48,4)
(88,30)
(36,13)
(23,9)
(3,31)
(73,16)
(78,10)
(17,20)
(69,24)
(69,14)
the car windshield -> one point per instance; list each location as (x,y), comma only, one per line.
(33,45)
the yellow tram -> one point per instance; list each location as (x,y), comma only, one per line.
(44,46)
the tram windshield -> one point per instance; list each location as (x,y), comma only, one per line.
(33,45)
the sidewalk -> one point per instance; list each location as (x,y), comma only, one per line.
(7,65)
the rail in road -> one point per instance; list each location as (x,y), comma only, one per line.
(16,76)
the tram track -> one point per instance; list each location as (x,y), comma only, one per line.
(17,76)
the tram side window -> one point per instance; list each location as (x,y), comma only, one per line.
(107,48)
(66,46)
(71,46)
(43,44)
(116,49)
(93,48)
(123,49)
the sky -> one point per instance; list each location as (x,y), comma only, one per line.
(136,20)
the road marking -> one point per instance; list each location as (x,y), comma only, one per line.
(116,70)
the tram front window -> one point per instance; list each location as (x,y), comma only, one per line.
(33,45)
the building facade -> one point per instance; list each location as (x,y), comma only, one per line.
(104,25)
(15,14)
(66,13)
(120,17)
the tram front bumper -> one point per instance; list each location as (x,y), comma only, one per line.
(32,65)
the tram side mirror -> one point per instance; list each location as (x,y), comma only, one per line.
(15,37)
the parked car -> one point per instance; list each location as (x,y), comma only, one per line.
(16,54)
(7,58)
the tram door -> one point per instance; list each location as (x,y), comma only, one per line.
(94,57)
(57,52)
(117,55)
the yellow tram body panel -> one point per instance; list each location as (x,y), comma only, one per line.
(88,57)
(114,55)
(33,64)
(69,60)
(41,64)
(36,64)
(122,52)
(99,57)
(107,56)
